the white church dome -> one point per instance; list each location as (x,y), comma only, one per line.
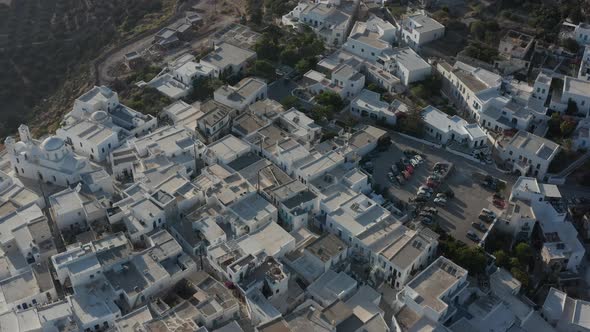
(52,143)
(99,116)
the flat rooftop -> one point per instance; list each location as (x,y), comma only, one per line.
(433,283)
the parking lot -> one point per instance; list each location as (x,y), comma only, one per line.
(470,197)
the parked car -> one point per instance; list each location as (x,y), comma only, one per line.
(432,210)
(400,179)
(479,226)
(394,169)
(485,217)
(441,195)
(426,221)
(488,212)
(450,194)
(440,201)
(391,177)
(499,203)
(472,236)
(418,199)
(425,188)
(425,214)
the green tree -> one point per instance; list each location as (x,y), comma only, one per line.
(553,125)
(502,259)
(567,127)
(411,123)
(290,56)
(267,49)
(481,51)
(304,65)
(524,253)
(254,10)
(571,45)
(521,275)
(514,262)
(203,88)
(330,99)
(264,69)
(290,101)
(572,108)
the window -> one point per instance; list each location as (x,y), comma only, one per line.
(17,161)
(80,144)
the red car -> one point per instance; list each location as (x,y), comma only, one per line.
(410,169)
(431,183)
(499,203)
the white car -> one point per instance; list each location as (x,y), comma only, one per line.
(425,188)
(424,193)
(489,212)
(440,201)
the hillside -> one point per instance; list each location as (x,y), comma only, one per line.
(46,49)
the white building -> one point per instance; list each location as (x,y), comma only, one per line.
(124,119)
(319,256)
(253,212)
(300,127)
(581,136)
(564,313)
(48,161)
(559,92)
(246,92)
(152,271)
(468,86)
(71,210)
(183,115)
(562,250)
(419,29)
(81,264)
(215,121)
(329,21)
(528,153)
(430,295)
(25,239)
(368,40)
(346,81)
(226,150)
(577,91)
(405,64)
(447,129)
(28,289)
(295,211)
(369,104)
(331,287)
(228,59)
(584,72)
(395,252)
(582,33)
(14,195)
(175,143)
(354,217)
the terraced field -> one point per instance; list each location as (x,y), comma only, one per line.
(44,43)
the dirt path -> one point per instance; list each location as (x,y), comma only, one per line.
(215,16)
